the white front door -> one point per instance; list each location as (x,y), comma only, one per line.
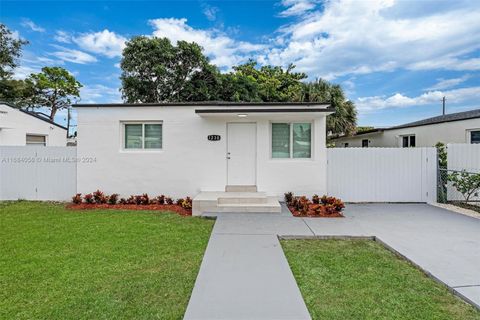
(241,154)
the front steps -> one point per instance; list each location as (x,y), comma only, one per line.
(235,202)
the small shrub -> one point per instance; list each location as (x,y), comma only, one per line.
(131,200)
(327,200)
(288,198)
(187,203)
(77,199)
(160,199)
(144,199)
(303,204)
(315,199)
(179,201)
(338,205)
(113,198)
(88,198)
(168,200)
(123,201)
(99,197)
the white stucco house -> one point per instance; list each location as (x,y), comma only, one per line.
(461,127)
(19,128)
(226,155)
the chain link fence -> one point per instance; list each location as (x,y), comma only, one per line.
(461,188)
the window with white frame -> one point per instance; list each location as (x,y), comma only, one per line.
(408,141)
(143,135)
(292,140)
(475,136)
(36,140)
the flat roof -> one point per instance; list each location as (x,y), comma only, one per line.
(205,104)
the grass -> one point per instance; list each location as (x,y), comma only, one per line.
(61,264)
(360,279)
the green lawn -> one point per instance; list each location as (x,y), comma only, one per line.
(360,279)
(61,264)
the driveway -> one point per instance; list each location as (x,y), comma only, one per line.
(245,275)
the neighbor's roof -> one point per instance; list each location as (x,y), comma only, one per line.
(466,115)
(458,116)
(33,114)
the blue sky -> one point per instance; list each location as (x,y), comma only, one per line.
(395,59)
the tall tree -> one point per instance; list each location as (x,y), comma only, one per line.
(54,89)
(10,52)
(154,70)
(268,84)
(344,120)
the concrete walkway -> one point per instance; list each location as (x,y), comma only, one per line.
(245,275)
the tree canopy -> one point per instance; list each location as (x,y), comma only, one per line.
(10,52)
(155,70)
(54,88)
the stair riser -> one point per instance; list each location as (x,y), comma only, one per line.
(241,188)
(240,200)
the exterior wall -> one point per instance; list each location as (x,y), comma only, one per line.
(15,125)
(426,136)
(188,162)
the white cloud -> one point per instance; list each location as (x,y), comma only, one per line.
(359,37)
(72,55)
(99,93)
(27,23)
(104,42)
(210,12)
(399,100)
(63,36)
(296,7)
(448,83)
(223,50)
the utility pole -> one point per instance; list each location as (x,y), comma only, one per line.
(443,104)
(68,122)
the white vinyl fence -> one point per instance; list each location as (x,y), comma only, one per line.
(382,174)
(463,157)
(38,173)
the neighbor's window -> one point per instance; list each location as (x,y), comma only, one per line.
(143,135)
(408,141)
(475,136)
(36,140)
(291,140)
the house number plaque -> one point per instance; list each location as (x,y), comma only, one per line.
(213,137)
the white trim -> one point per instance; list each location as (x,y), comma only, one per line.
(291,123)
(123,149)
(468,133)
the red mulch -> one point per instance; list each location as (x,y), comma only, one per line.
(314,214)
(158,207)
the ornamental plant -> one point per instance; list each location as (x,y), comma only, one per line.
(315,199)
(168,200)
(468,184)
(288,198)
(113,198)
(187,203)
(77,199)
(88,198)
(99,197)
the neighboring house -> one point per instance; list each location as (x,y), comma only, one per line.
(180,149)
(19,128)
(461,127)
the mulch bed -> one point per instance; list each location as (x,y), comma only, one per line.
(157,207)
(313,214)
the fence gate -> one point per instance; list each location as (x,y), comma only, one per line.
(382,174)
(37,172)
